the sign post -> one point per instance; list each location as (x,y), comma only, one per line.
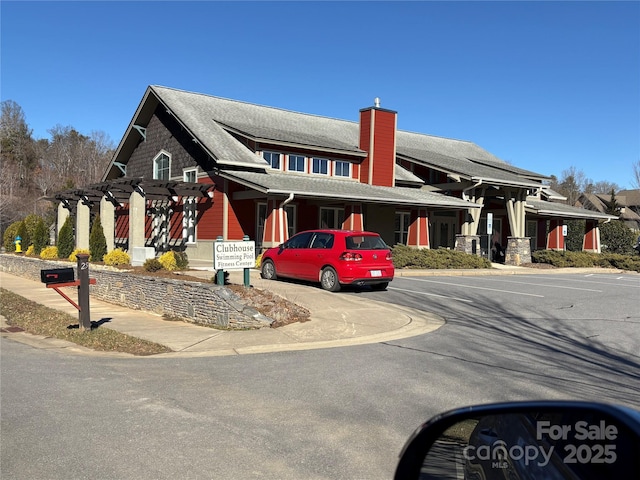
(234,256)
(83,291)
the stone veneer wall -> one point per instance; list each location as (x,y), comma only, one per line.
(518,251)
(193,301)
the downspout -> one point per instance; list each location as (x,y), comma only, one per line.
(280,214)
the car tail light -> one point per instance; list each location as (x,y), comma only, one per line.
(389,256)
(351,257)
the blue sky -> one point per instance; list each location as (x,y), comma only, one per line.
(543,85)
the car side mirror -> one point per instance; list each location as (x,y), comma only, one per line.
(557,440)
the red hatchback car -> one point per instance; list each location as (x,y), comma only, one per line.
(333,258)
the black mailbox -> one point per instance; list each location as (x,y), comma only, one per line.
(57,275)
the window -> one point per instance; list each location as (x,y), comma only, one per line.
(272,159)
(321,166)
(342,169)
(322,240)
(191,176)
(162,167)
(296,163)
(331,217)
(189,220)
(299,241)
(262,218)
(402,228)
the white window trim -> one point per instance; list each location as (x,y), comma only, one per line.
(155,164)
(336,210)
(341,176)
(189,170)
(282,157)
(321,159)
(305,168)
(404,227)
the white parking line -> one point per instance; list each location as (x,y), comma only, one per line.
(431,294)
(477,288)
(636,281)
(539,284)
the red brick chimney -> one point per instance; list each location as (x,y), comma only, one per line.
(378,139)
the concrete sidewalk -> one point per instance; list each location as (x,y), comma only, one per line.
(336,320)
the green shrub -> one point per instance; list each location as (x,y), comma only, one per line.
(407,257)
(152,265)
(24,236)
(49,253)
(10,235)
(66,240)
(616,237)
(97,241)
(575,235)
(40,236)
(117,257)
(30,223)
(587,259)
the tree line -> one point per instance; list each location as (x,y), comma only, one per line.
(31,170)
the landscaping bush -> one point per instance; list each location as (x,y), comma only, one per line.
(74,255)
(407,257)
(66,240)
(24,236)
(49,253)
(152,265)
(616,237)
(117,257)
(10,235)
(30,251)
(97,241)
(40,236)
(587,259)
(174,261)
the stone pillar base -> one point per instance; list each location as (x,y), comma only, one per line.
(468,244)
(518,251)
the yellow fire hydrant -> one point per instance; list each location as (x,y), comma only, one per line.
(18,243)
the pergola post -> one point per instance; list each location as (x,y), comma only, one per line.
(108,220)
(83,225)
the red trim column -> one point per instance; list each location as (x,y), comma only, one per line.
(591,240)
(353,217)
(276,230)
(418,234)
(555,239)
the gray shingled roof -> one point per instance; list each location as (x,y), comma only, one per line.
(309,186)
(562,210)
(204,115)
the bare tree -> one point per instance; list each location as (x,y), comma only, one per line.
(572,183)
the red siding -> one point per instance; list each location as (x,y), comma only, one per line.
(122,222)
(381,158)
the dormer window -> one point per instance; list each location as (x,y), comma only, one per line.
(296,163)
(162,166)
(321,166)
(342,169)
(272,159)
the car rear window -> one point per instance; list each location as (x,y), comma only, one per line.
(365,242)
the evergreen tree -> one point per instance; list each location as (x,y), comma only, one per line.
(66,240)
(616,237)
(23,233)
(613,208)
(97,241)
(40,237)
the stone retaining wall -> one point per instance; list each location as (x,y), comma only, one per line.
(193,301)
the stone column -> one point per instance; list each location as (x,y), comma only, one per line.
(137,217)
(63,213)
(83,221)
(518,251)
(468,244)
(108,220)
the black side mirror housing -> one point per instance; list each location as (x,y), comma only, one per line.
(548,439)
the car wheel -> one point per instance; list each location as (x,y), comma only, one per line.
(329,280)
(380,286)
(268,270)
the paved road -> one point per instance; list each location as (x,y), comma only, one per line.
(335,413)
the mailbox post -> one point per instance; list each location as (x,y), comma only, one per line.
(83,291)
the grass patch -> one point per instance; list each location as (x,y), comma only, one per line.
(40,320)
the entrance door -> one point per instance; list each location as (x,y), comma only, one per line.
(444,231)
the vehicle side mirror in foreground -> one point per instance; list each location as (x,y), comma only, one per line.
(550,440)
